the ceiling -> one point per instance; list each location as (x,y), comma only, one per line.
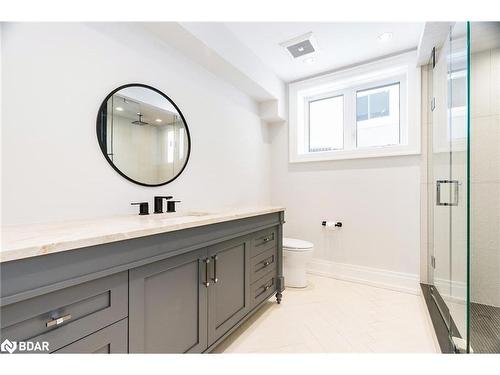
(339,44)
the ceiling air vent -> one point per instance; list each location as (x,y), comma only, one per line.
(301,47)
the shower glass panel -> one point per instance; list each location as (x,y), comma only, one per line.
(464,165)
(449,172)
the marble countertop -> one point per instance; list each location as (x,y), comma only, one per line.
(24,241)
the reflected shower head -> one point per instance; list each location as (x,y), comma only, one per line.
(139,121)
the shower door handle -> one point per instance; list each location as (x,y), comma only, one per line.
(453,201)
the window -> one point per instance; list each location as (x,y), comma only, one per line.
(368,111)
(326,124)
(377,116)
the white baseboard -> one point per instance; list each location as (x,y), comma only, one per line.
(399,281)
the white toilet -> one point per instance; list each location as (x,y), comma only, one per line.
(296,254)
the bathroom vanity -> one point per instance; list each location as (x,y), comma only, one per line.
(167,283)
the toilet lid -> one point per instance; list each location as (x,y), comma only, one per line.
(296,245)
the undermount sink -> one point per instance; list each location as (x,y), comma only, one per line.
(185,214)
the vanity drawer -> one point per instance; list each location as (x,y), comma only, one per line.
(263,264)
(109,340)
(66,315)
(264,240)
(263,288)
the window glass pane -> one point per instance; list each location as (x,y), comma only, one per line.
(326,124)
(362,108)
(379,104)
(377,120)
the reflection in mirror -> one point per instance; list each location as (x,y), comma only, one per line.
(143,135)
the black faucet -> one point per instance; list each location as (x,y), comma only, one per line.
(171,206)
(143,207)
(159,203)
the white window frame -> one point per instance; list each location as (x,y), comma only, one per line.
(347,82)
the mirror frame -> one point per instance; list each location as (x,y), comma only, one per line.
(98,125)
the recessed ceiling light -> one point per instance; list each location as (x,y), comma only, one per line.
(385,37)
(158,120)
(309,60)
(119,109)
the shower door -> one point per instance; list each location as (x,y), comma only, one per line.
(449,173)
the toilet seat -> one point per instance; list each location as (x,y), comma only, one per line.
(293,244)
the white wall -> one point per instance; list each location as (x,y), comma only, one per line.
(53,169)
(54,79)
(378,201)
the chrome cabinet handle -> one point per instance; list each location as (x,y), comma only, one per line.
(206,283)
(57,321)
(267,239)
(215,279)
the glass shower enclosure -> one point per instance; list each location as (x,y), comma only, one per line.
(464,196)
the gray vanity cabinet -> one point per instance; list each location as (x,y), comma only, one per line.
(228,292)
(168,305)
(175,292)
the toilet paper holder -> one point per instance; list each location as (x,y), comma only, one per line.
(338,224)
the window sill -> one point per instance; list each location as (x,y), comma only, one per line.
(375,152)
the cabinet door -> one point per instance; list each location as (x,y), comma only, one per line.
(229,289)
(109,340)
(168,305)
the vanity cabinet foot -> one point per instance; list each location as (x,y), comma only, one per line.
(279,295)
(280,288)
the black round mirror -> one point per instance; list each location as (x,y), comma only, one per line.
(143,135)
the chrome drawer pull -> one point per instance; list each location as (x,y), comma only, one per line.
(267,239)
(268,286)
(266,262)
(57,321)
(264,289)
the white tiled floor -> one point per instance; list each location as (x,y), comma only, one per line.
(334,316)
